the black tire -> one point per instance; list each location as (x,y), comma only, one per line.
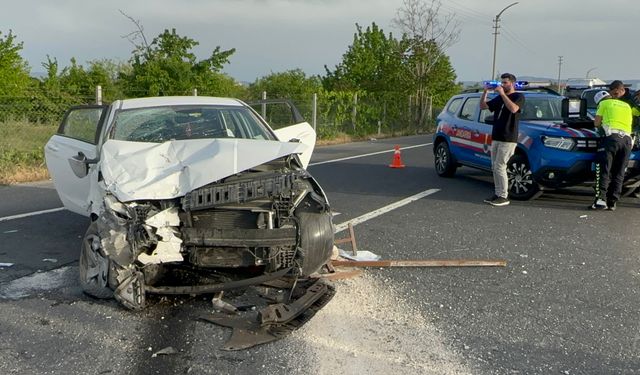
(316,240)
(522,185)
(444,162)
(94,266)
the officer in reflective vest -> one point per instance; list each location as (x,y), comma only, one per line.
(615,117)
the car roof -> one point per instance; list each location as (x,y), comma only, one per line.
(177,100)
(525,93)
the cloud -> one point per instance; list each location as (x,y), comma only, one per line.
(275,35)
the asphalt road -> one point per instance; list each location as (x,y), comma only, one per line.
(566,303)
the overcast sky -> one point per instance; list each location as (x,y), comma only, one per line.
(594,37)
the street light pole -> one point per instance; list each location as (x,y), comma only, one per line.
(495,37)
(589,71)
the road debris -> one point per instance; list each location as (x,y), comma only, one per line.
(5,265)
(361,255)
(221,306)
(50,260)
(299,300)
(421,263)
(166,351)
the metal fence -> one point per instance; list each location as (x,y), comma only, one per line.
(330,113)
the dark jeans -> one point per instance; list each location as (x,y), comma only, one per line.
(613,162)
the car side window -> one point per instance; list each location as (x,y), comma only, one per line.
(484,115)
(82,124)
(454,106)
(469,109)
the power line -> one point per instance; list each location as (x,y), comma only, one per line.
(513,38)
(466,15)
(470,10)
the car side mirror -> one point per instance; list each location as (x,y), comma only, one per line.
(80,164)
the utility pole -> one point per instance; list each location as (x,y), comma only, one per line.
(559,70)
(495,37)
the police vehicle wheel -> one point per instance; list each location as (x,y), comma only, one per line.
(94,266)
(444,163)
(522,186)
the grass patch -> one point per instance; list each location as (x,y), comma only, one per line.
(22,151)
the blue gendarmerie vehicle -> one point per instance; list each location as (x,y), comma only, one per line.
(557,142)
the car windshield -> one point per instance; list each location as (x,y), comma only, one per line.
(160,124)
(542,108)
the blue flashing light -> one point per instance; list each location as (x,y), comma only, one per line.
(493,84)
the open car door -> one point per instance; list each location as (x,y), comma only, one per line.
(287,123)
(71,147)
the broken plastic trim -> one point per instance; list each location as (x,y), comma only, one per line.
(213,288)
(249,332)
(282,313)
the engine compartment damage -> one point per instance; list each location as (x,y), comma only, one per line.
(256,226)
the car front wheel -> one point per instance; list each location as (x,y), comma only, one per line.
(522,186)
(444,163)
(94,266)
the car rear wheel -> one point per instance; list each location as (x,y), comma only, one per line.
(522,186)
(444,163)
(94,266)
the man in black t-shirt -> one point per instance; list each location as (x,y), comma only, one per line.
(506,113)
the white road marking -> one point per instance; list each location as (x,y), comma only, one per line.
(20,216)
(370,215)
(365,155)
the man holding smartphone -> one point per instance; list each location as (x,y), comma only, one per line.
(506,111)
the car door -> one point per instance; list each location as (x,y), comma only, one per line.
(287,123)
(465,136)
(78,132)
(484,130)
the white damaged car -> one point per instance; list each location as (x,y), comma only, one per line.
(197,192)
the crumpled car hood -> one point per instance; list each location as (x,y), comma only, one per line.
(140,170)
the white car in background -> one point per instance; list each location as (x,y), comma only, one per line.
(197,192)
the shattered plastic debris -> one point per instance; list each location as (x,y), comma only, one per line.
(222,306)
(168,248)
(3,265)
(166,218)
(166,351)
(363,255)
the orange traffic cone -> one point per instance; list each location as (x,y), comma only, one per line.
(397,160)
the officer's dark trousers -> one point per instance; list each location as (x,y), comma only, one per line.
(613,162)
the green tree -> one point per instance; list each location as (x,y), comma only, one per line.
(370,79)
(167,66)
(291,84)
(426,36)
(14,70)
(372,63)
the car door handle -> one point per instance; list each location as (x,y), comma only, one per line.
(53,148)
